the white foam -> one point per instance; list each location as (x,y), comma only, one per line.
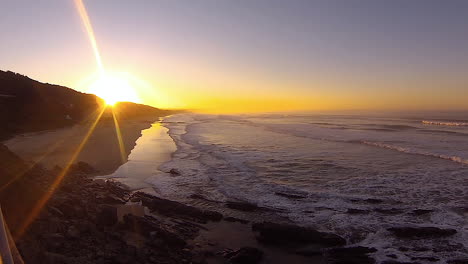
(219,158)
(438,123)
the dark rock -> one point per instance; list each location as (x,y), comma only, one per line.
(146,227)
(109,198)
(398,262)
(403,249)
(310,250)
(83,167)
(291,195)
(53,241)
(447,246)
(55,258)
(431,259)
(457,261)
(350,255)
(55,211)
(373,201)
(135,200)
(421,249)
(369,200)
(421,232)
(174,172)
(421,211)
(242,206)
(245,255)
(234,219)
(107,215)
(172,208)
(281,234)
(73,232)
(197,196)
(391,211)
(357,211)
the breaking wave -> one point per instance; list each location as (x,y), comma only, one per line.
(410,151)
(438,123)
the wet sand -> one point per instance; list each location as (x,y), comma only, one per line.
(101,150)
(152,149)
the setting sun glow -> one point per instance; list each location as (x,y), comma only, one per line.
(113,88)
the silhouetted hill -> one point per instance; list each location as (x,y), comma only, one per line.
(27,105)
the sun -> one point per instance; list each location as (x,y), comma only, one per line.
(113,88)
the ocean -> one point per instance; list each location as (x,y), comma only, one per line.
(353,175)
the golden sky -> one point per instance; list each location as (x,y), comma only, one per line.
(246,56)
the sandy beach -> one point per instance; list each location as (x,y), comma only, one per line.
(57,147)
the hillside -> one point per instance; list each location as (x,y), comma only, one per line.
(27,105)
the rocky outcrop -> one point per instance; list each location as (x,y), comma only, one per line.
(245,255)
(421,232)
(349,255)
(281,234)
(172,208)
(78,226)
(242,206)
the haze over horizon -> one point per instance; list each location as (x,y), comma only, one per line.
(254,55)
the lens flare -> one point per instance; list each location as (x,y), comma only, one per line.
(89,30)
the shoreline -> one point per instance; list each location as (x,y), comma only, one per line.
(206,239)
(209,234)
(52,148)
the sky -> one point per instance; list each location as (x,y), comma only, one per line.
(250,55)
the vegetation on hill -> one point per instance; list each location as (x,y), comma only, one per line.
(27,105)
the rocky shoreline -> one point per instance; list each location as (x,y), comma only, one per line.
(90,220)
(99,221)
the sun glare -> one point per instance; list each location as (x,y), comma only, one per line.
(113,88)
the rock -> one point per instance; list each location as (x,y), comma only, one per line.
(245,255)
(281,234)
(99,182)
(53,241)
(373,201)
(391,211)
(55,211)
(146,227)
(430,259)
(54,258)
(234,219)
(109,198)
(398,262)
(172,208)
(457,261)
(242,206)
(107,215)
(357,211)
(83,167)
(291,195)
(421,232)
(349,255)
(309,250)
(174,172)
(73,232)
(135,200)
(421,211)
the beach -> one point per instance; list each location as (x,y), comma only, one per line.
(318,193)
(205,240)
(57,147)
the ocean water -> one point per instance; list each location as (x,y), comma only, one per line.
(354,175)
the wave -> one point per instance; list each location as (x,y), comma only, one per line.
(444,132)
(438,123)
(415,152)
